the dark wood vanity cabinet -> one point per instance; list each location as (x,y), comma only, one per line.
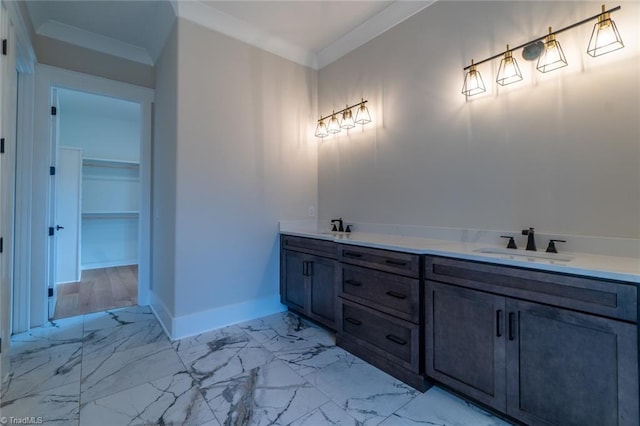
(307,278)
(379,313)
(543,348)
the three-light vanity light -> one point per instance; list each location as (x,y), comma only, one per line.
(605,38)
(338,122)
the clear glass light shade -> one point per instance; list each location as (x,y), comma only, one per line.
(334,125)
(605,37)
(321,130)
(553,56)
(473,83)
(362,116)
(347,120)
(509,71)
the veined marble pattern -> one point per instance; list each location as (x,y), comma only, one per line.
(170,400)
(117,368)
(271,394)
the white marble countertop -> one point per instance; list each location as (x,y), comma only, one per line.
(608,267)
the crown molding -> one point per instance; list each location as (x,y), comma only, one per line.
(386,19)
(90,40)
(216,20)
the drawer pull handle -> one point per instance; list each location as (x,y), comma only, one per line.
(395,262)
(353,321)
(499,323)
(353,283)
(351,254)
(396,339)
(396,295)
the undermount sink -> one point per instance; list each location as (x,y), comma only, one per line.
(530,255)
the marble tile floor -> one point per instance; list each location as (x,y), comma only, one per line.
(119,368)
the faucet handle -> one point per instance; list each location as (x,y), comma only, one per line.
(511,244)
(551,248)
(348,229)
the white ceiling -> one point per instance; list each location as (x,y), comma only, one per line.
(312,33)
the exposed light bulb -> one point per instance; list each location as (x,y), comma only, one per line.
(473,83)
(334,125)
(509,72)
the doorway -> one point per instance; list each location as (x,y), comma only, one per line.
(97,203)
(35,256)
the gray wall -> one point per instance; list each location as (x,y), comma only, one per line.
(559,151)
(234,153)
(59,54)
(164,175)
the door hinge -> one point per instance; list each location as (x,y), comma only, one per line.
(1,245)
(52,170)
(51,231)
(4,46)
(54,110)
(1,145)
(50,292)
(0,345)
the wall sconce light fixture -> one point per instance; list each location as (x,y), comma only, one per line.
(347,122)
(509,71)
(552,56)
(473,83)
(605,38)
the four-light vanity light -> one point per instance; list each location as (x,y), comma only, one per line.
(346,121)
(605,38)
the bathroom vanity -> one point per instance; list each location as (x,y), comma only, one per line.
(531,341)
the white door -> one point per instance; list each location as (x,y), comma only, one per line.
(67,228)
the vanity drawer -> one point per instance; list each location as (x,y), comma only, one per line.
(384,260)
(390,293)
(388,336)
(309,245)
(614,299)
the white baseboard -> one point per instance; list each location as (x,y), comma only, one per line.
(200,322)
(162,313)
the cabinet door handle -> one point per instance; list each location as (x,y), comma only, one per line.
(304,268)
(351,254)
(396,339)
(309,268)
(512,325)
(353,321)
(353,283)
(396,295)
(395,262)
(499,315)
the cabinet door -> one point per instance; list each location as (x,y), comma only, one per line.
(568,368)
(465,342)
(292,280)
(322,293)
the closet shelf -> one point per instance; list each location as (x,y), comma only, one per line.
(110,215)
(105,162)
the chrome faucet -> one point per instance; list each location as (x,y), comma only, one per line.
(531,241)
(340,226)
